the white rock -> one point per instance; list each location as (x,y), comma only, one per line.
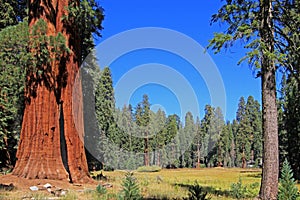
(34,188)
(47,185)
(63,193)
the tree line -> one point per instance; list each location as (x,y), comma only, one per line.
(153,138)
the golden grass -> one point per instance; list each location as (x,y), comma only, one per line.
(167,184)
(173,183)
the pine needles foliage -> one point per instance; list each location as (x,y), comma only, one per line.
(287,184)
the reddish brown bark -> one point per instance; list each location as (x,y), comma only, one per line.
(51,141)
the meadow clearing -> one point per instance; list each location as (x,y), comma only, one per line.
(164,184)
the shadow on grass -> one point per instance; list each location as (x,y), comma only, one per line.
(208,189)
(159,198)
(253,175)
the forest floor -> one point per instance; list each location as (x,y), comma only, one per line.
(165,184)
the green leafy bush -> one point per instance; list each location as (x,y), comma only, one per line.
(287,184)
(149,169)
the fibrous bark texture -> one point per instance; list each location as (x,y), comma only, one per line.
(51,141)
(270,172)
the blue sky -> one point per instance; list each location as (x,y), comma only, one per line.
(192,19)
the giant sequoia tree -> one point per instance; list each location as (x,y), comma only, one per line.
(51,141)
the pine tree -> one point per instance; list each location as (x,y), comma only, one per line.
(256,124)
(206,131)
(249,133)
(173,149)
(105,102)
(241,109)
(224,145)
(283,137)
(142,118)
(207,127)
(287,184)
(219,124)
(130,189)
(108,138)
(253,21)
(292,124)
(190,132)
(243,144)
(198,142)
(233,152)
(13,61)
(159,132)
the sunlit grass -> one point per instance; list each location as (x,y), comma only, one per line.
(164,184)
(173,183)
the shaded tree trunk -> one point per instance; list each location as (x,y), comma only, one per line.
(146,150)
(270,172)
(51,141)
(158,157)
(198,154)
(244,164)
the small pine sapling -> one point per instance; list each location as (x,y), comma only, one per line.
(287,184)
(131,189)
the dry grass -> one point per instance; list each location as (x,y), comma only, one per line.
(165,184)
(173,183)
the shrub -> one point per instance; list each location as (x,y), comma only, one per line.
(196,192)
(149,169)
(287,184)
(101,190)
(238,191)
(130,189)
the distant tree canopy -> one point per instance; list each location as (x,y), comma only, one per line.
(135,135)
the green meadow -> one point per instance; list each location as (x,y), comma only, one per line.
(174,183)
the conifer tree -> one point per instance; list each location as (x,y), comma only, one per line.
(190,132)
(105,102)
(198,142)
(225,146)
(108,138)
(253,21)
(292,124)
(287,184)
(13,60)
(159,132)
(142,118)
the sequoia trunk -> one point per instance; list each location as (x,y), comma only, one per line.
(51,141)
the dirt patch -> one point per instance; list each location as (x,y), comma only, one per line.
(24,184)
(16,187)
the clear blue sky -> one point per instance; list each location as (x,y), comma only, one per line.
(191,18)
